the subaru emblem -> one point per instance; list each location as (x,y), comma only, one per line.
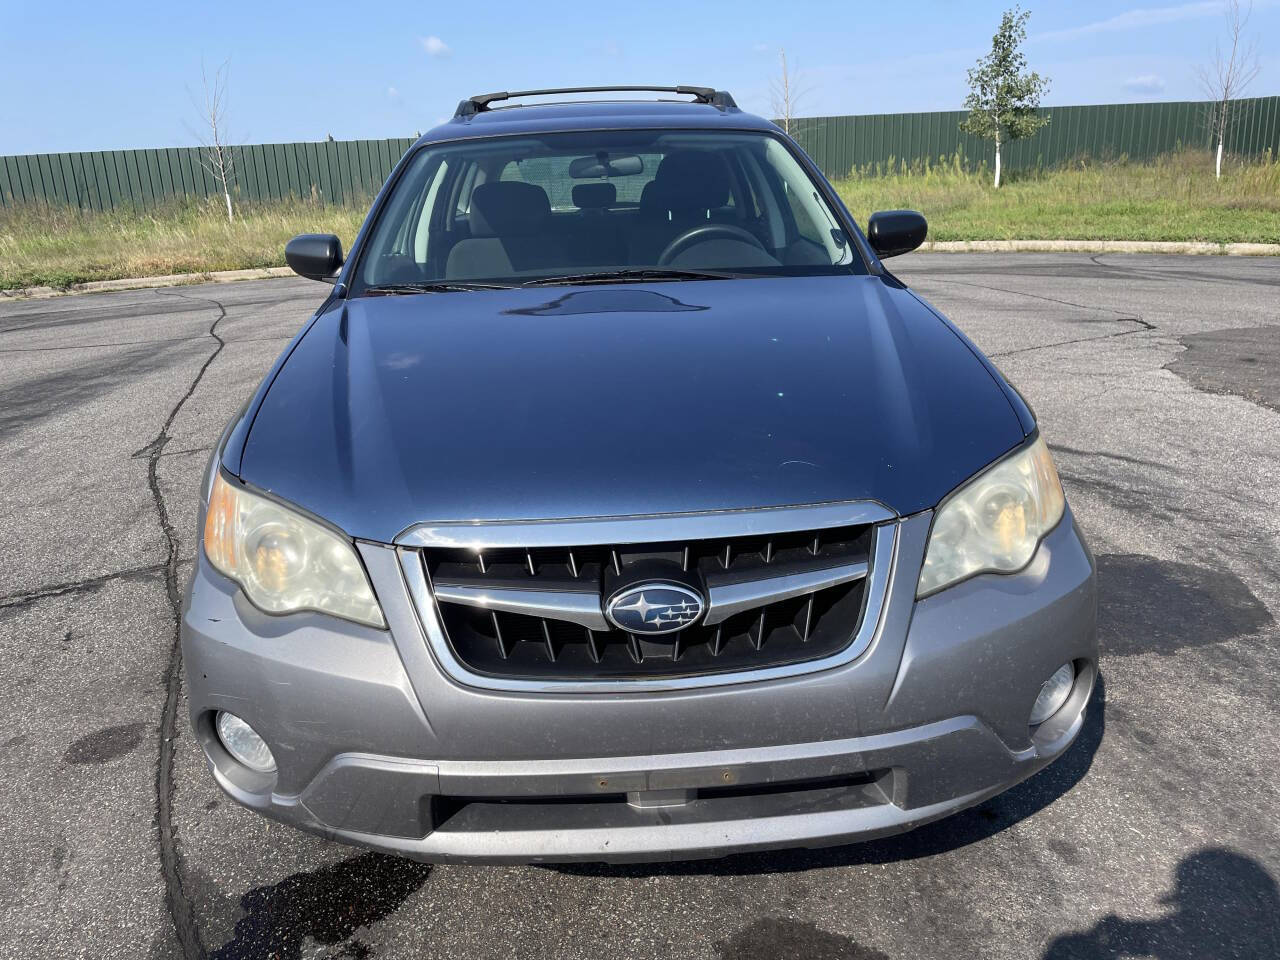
(653,608)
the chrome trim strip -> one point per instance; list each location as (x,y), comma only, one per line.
(643,528)
(884,559)
(727,600)
(575,607)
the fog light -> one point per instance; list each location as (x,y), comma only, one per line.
(1053,694)
(243,743)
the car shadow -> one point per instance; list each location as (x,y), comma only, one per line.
(970,826)
(1223,904)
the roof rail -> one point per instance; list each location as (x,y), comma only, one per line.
(709,95)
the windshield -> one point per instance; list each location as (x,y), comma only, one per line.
(601,205)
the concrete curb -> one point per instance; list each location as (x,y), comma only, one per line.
(1101,246)
(929,246)
(142,283)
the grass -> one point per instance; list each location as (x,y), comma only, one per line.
(57,246)
(1174,198)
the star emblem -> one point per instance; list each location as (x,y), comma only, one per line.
(652,617)
(642,607)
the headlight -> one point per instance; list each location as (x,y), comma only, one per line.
(285,562)
(995,522)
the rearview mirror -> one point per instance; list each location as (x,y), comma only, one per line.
(603,165)
(893,232)
(316,256)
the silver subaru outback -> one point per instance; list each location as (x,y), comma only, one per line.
(618,504)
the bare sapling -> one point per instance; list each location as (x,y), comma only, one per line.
(215,154)
(1224,80)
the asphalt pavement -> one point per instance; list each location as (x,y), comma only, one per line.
(1157,383)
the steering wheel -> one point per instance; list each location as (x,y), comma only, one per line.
(704,232)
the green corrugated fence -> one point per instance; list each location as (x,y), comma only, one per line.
(352,170)
(335,170)
(1138,131)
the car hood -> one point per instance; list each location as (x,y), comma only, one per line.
(609,400)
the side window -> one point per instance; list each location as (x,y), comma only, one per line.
(422,233)
(746,186)
(393,252)
(771,189)
(765,196)
(462,204)
(818,232)
(804,222)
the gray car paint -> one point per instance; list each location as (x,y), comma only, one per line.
(367,727)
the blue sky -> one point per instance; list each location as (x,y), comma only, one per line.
(87,76)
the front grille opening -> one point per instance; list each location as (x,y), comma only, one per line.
(444,809)
(793,631)
(510,645)
(741,801)
(792,786)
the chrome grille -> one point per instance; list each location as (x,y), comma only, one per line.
(536,613)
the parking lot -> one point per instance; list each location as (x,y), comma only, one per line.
(1157,383)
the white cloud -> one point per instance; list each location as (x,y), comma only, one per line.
(1137,20)
(393,93)
(1147,83)
(761,48)
(434,46)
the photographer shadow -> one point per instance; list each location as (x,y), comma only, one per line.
(1224,904)
(970,826)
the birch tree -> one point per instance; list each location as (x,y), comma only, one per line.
(1003,94)
(215,154)
(1226,78)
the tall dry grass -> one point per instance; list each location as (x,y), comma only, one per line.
(1172,198)
(60,246)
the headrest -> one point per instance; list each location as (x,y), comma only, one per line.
(594,196)
(508,208)
(689,181)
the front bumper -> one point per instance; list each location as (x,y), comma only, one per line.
(377,746)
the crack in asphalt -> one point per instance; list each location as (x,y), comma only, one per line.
(1145,327)
(1122,317)
(1036,296)
(75,586)
(181,911)
(145,452)
(187,452)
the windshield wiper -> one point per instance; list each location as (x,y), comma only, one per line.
(630,275)
(442,286)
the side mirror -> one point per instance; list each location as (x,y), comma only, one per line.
(893,232)
(316,256)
